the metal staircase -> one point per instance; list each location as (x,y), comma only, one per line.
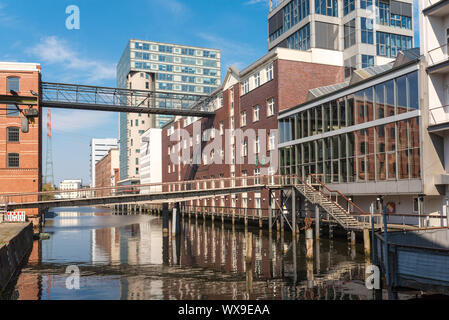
(318,193)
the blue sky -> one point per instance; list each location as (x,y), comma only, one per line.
(34,31)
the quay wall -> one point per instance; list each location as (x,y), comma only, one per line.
(13,250)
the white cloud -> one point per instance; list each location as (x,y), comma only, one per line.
(174,6)
(5,18)
(251,2)
(54,51)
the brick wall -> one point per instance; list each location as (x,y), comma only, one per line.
(27,177)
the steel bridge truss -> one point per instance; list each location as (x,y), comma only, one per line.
(73,96)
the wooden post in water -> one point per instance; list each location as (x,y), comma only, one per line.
(249,261)
(317,222)
(293,197)
(309,235)
(353,238)
(165,218)
(366,242)
(270,215)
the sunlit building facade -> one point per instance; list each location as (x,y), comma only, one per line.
(368,32)
(367,137)
(164,68)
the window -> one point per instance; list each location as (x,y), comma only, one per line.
(245,86)
(272,141)
(257,145)
(257,80)
(367,61)
(13,84)
(257,176)
(348,6)
(221,128)
(366,4)
(270,108)
(244,148)
(12,110)
(293,12)
(389,44)
(256,114)
(243,119)
(13,160)
(167,49)
(415,205)
(300,40)
(13,134)
(186,51)
(137,161)
(270,72)
(327,7)
(349,33)
(367,30)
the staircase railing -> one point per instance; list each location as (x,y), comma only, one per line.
(337,197)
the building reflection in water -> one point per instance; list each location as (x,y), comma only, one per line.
(206,261)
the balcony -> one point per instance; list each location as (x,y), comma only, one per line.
(438,62)
(436,8)
(439,120)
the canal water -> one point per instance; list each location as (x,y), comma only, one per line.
(126,257)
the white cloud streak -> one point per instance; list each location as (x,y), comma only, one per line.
(54,51)
(251,2)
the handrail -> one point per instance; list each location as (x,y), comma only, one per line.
(433,116)
(341,194)
(445,55)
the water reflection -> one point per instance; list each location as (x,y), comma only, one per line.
(126,257)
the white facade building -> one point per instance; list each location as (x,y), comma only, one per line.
(151,159)
(70,185)
(98,149)
(434,37)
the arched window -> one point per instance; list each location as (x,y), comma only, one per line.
(13,134)
(13,84)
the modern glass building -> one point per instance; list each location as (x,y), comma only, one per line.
(367,137)
(165,68)
(367,32)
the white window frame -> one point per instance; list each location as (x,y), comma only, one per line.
(243,119)
(256,113)
(270,72)
(257,80)
(270,107)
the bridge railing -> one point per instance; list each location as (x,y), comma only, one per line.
(225,211)
(93,95)
(127,190)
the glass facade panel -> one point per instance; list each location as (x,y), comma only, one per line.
(379,152)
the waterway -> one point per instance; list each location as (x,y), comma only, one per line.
(127,257)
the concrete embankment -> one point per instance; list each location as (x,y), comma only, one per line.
(16,241)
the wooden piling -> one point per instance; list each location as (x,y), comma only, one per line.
(366,242)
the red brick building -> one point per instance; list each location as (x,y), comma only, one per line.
(20,153)
(248,100)
(105,172)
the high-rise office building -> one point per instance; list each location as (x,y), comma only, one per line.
(164,68)
(368,32)
(98,149)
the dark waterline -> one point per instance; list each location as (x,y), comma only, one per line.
(126,257)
